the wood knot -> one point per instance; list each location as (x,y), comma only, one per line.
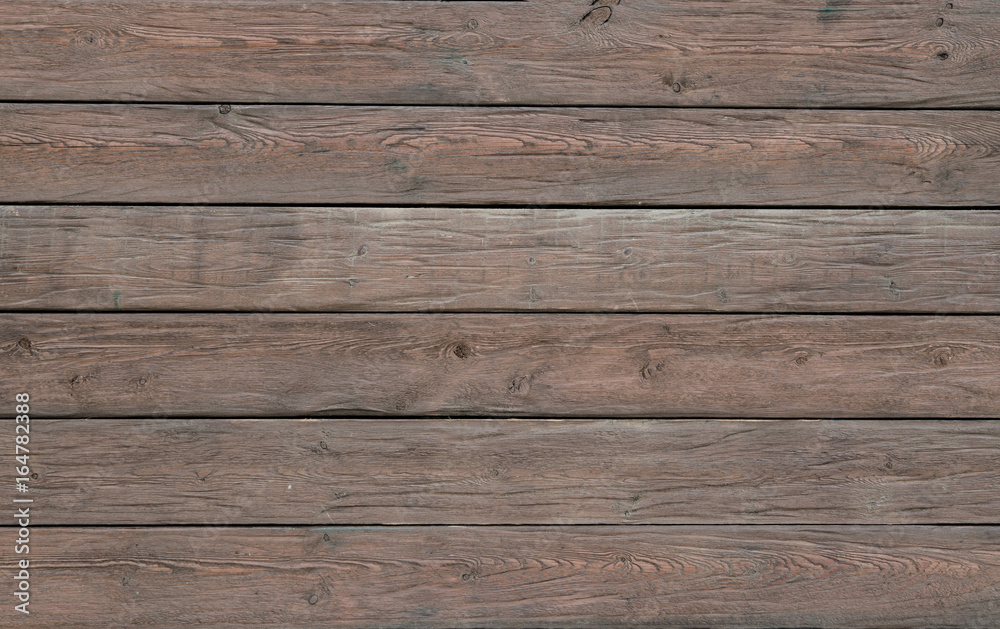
(225,109)
(23,347)
(596,16)
(650,370)
(943,55)
(313,599)
(941,356)
(362,250)
(520,385)
(462,351)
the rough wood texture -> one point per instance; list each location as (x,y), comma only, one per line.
(516,577)
(224,472)
(785,53)
(392,259)
(260,365)
(436,155)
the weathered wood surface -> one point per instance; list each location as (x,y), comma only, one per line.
(221,472)
(291,364)
(515,577)
(784,53)
(415,259)
(439,155)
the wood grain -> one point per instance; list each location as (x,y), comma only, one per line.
(280,365)
(317,472)
(775,53)
(515,577)
(494,259)
(487,156)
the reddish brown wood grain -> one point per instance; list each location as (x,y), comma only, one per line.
(316,472)
(495,259)
(765,53)
(516,577)
(486,156)
(280,365)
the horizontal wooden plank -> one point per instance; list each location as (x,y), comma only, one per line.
(264,365)
(514,577)
(784,53)
(436,155)
(495,259)
(316,472)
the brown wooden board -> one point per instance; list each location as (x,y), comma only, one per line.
(495,259)
(616,576)
(261,365)
(485,156)
(773,53)
(223,472)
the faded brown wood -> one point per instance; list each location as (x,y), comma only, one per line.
(437,155)
(783,53)
(280,365)
(399,259)
(516,577)
(316,472)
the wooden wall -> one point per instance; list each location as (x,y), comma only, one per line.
(510,314)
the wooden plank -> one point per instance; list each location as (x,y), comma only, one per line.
(564,156)
(280,365)
(495,259)
(778,53)
(515,577)
(317,472)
